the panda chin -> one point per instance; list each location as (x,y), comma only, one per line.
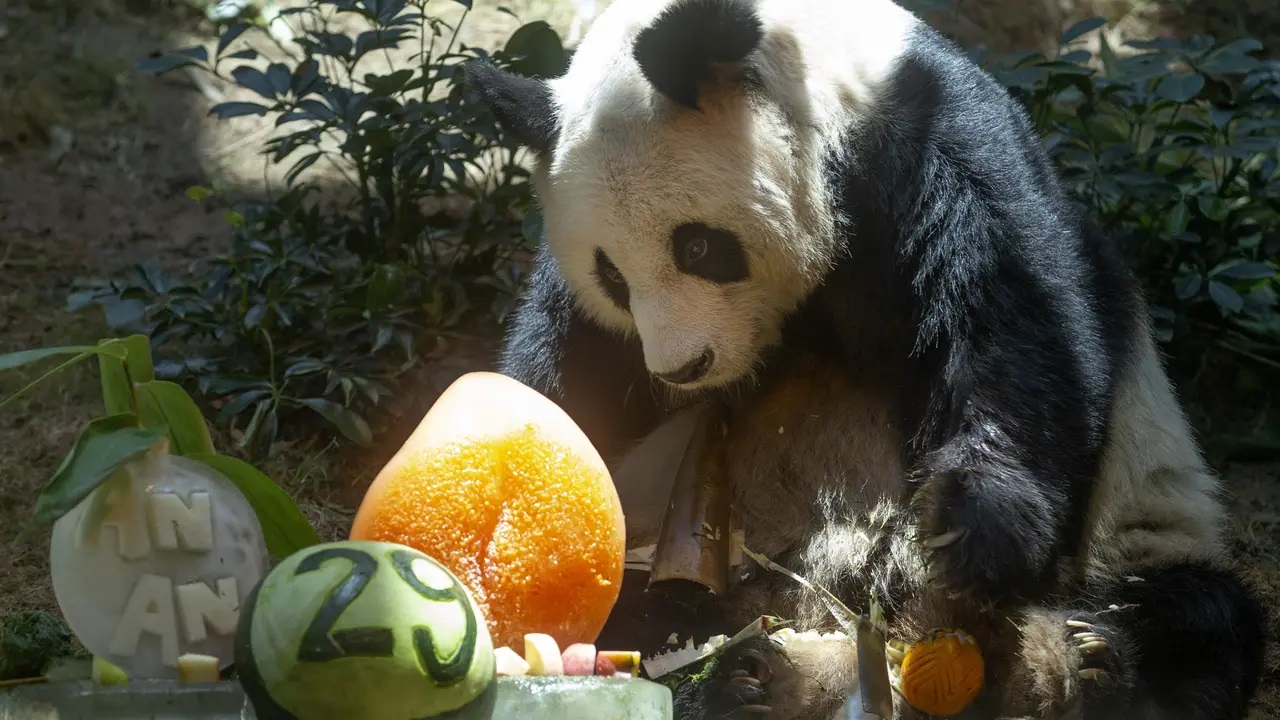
(729,390)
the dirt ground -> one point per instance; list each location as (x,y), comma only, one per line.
(95,159)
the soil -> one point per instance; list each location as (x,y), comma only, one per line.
(95,160)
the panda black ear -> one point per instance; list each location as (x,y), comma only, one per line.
(675,52)
(521,104)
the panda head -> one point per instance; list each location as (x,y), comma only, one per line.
(682,165)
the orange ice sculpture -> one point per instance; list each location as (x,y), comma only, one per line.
(499,485)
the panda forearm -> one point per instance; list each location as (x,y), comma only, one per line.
(1007,484)
(597,378)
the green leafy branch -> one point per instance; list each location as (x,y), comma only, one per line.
(143,412)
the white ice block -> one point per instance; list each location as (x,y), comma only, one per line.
(519,698)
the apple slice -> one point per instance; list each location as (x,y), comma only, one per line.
(509,662)
(543,654)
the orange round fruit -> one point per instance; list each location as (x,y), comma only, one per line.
(502,487)
(942,673)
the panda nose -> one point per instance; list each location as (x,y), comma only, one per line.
(692,371)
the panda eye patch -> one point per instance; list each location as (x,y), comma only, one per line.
(709,253)
(611,281)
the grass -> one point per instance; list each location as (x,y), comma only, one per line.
(93,164)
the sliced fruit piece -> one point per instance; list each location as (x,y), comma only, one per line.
(579,659)
(509,662)
(543,654)
(105,673)
(611,663)
(194,668)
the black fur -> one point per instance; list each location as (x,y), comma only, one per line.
(1188,640)
(1020,314)
(1006,319)
(676,50)
(612,282)
(597,377)
(723,260)
(522,105)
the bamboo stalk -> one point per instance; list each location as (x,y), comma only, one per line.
(694,543)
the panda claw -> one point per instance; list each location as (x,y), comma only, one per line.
(1092,646)
(746,680)
(1079,624)
(755,709)
(1096,674)
(1088,637)
(944,539)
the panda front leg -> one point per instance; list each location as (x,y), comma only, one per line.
(1180,641)
(1004,493)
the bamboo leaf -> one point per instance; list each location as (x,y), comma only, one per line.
(165,404)
(26,357)
(104,446)
(117,394)
(284,527)
(138,361)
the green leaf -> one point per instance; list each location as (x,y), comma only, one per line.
(165,404)
(185,57)
(104,446)
(198,192)
(385,287)
(1107,56)
(1087,25)
(138,361)
(1188,285)
(1180,88)
(302,164)
(230,36)
(284,527)
(1176,221)
(382,85)
(117,392)
(1226,298)
(26,357)
(228,110)
(538,47)
(532,226)
(348,422)
(252,78)
(1245,270)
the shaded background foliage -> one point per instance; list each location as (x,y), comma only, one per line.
(321,308)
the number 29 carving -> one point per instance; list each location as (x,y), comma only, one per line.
(321,643)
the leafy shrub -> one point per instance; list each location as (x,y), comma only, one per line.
(1175,147)
(324,307)
(1171,144)
(29,641)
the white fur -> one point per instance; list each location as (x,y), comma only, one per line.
(629,166)
(1156,498)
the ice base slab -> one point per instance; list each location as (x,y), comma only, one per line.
(519,698)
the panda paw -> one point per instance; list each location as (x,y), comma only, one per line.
(748,685)
(739,687)
(982,538)
(1099,659)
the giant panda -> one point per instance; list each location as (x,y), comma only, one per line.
(940,382)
